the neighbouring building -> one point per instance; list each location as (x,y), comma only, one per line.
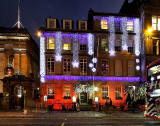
(19,68)
(149,13)
(89,64)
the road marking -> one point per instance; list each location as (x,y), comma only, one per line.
(62,124)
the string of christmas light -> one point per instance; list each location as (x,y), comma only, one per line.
(125,34)
(42,59)
(58,44)
(111,36)
(90,44)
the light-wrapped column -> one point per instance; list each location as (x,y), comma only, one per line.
(125,34)
(111,36)
(75,62)
(58,44)
(90,44)
(137,36)
(42,59)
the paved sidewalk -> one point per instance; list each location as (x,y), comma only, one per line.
(81,114)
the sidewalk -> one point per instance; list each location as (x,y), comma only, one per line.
(81,114)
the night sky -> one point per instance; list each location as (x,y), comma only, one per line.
(35,12)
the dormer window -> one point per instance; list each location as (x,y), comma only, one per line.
(82,25)
(130,25)
(104,23)
(51,23)
(67,24)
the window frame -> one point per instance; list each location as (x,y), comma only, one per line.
(51,96)
(66,92)
(48,44)
(118,92)
(105,93)
(104,68)
(84,65)
(104,24)
(51,64)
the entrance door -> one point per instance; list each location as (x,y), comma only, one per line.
(83,97)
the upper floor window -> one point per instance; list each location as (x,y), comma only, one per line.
(118,93)
(118,45)
(156,23)
(51,43)
(105,67)
(82,25)
(83,47)
(67,65)
(67,93)
(66,43)
(129,25)
(105,92)
(50,65)
(83,66)
(104,45)
(51,23)
(104,24)
(67,24)
(131,68)
(50,92)
(117,25)
(130,46)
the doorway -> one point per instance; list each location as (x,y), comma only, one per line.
(83,98)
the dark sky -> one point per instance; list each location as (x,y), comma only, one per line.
(35,12)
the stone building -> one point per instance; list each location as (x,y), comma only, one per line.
(19,68)
(91,64)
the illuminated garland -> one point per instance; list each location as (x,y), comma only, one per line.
(42,59)
(125,34)
(90,44)
(75,62)
(111,36)
(58,44)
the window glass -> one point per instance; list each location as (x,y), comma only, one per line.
(51,43)
(67,65)
(104,44)
(104,24)
(105,67)
(83,66)
(118,93)
(50,65)
(67,46)
(118,45)
(129,25)
(67,93)
(83,47)
(50,92)
(105,92)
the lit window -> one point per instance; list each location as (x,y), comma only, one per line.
(105,92)
(104,45)
(67,65)
(118,93)
(83,66)
(50,65)
(67,46)
(50,92)
(156,23)
(129,25)
(67,93)
(105,67)
(104,24)
(51,43)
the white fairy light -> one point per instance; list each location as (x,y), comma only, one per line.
(137,36)
(90,44)
(42,59)
(75,62)
(125,34)
(91,65)
(58,44)
(138,67)
(94,70)
(137,60)
(111,36)
(94,60)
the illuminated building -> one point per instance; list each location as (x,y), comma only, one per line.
(19,66)
(92,63)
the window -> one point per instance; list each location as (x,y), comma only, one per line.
(129,25)
(118,93)
(130,46)
(118,68)
(105,67)
(83,25)
(156,47)
(131,68)
(67,24)
(50,92)
(83,66)
(51,23)
(67,65)
(66,46)
(83,47)
(51,43)
(104,45)
(105,92)
(117,25)
(50,65)
(118,45)
(67,93)
(156,23)
(104,24)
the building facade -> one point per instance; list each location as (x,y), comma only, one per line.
(91,64)
(19,68)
